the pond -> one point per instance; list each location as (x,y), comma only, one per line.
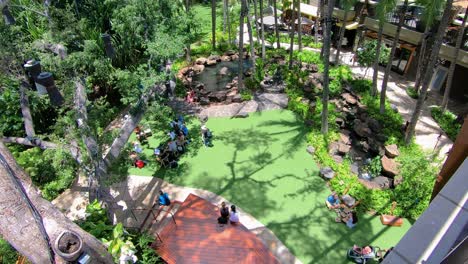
(216,81)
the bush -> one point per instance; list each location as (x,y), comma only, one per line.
(311,57)
(246,95)
(412,92)
(447,121)
(7,253)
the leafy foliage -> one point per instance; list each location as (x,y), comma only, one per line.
(7,253)
(367,53)
(447,121)
(412,92)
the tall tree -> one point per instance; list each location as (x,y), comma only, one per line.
(251,41)
(256,18)
(229,23)
(432,8)
(292,29)
(32,224)
(262,30)
(225,10)
(383,8)
(448,87)
(347,4)
(326,62)
(299,31)
(213,24)
(243,13)
(317,21)
(321,9)
(275,12)
(388,68)
(187,48)
(428,74)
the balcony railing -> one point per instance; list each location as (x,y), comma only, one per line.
(412,17)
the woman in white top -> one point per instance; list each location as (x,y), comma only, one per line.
(234,216)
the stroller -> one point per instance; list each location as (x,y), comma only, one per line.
(359,257)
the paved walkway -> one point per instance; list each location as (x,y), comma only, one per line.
(197,238)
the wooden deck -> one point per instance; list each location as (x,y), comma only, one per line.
(198,238)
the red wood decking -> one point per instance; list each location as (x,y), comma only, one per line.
(199,239)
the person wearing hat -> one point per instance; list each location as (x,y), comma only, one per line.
(206,135)
(333,201)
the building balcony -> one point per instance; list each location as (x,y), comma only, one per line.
(407,35)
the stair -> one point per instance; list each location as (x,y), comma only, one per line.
(159,218)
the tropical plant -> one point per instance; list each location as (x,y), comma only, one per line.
(367,54)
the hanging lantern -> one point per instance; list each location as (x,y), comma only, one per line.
(108,45)
(45,82)
(9,19)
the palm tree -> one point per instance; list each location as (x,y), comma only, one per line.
(326,62)
(229,22)
(225,10)
(292,24)
(347,4)
(249,29)
(390,58)
(243,13)
(299,18)
(448,86)
(262,29)
(382,9)
(213,23)
(321,10)
(428,74)
(275,11)
(431,9)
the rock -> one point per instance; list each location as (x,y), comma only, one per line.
(237,98)
(349,98)
(231,93)
(365,147)
(317,76)
(229,53)
(184,71)
(348,200)
(204,92)
(376,146)
(374,124)
(224,71)
(198,85)
(381,137)
(248,73)
(197,68)
(234,57)
(313,68)
(343,149)
(361,129)
(337,158)
(389,166)
(327,173)
(382,182)
(310,150)
(392,151)
(312,106)
(214,57)
(225,58)
(210,62)
(204,101)
(217,96)
(241,115)
(354,168)
(333,148)
(305,101)
(345,137)
(394,108)
(201,61)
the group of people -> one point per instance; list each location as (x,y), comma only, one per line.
(344,214)
(167,155)
(226,216)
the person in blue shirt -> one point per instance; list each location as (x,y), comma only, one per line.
(164,198)
(333,201)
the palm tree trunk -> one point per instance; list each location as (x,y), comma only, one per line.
(262,30)
(252,48)
(428,74)
(292,31)
(229,23)
(390,59)
(276,25)
(340,40)
(422,54)
(225,7)
(256,18)
(299,18)
(326,62)
(213,24)
(377,59)
(243,12)
(448,87)
(322,17)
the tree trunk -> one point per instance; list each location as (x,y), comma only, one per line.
(322,23)
(428,74)
(213,24)
(326,62)
(188,50)
(262,29)
(317,21)
(292,29)
(225,7)
(229,24)
(377,59)
(360,29)
(448,86)
(252,48)
(340,40)
(23,212)
(422,55)
(243,12)
(26,112)
(276,25)
(256,19)
(390,59)
(299,32)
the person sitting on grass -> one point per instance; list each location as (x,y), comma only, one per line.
(365,251)
(172,146)
(164,198)
(224,211)
(133,157)
(181,142)
(140,164)
(333,201)
(234,216)
(350,219)
(206,135)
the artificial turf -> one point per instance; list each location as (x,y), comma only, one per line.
(260,163)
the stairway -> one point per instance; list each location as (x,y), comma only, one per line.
(158,218)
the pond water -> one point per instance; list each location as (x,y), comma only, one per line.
(214,81)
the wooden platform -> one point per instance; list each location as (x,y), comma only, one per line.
(198,238)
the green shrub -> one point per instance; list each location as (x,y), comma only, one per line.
(7,253)
(246,95)
(412,92)
(446,121)
(311,57)
(252,84)
(361,86)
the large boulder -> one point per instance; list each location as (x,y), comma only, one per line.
(361,128)
(392,151)
(225,58)
(211,62)
(218,96)
(348,200)
(327,173)
(234,57)
(197,68)
(204,101)
(343,149)
(229,53)
(237,98)
(383,182)
(389,166)
(333,148)
(344,137)
(201,61)
(350,99)
(354,168)
(337,158)
(374,124)
(214,57)
(223,71)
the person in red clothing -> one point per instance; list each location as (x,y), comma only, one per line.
(139,164)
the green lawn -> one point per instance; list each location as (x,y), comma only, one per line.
(260,163)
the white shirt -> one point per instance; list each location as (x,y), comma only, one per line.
(172,135)
(234,217)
